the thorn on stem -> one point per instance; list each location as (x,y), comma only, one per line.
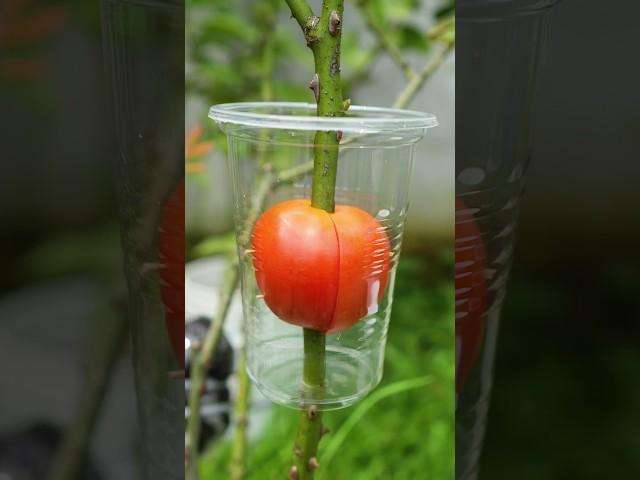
(335,23)
(313,464)
(293,473)
(312,412)
(339,135)
(346,104)
(324,431)
(314,85)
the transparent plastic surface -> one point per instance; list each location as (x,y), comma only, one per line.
(348,293)
(144,56)
(502,38)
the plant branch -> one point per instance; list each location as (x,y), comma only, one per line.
(238,464)
(200,365)
(442,28)
(416,83)
(326,52)
(267,57)
(384,40)
(324,36)
(198,371)
(238,460)
(301,11)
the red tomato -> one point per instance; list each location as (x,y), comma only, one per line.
(171,253)
(471,292)
(320,270)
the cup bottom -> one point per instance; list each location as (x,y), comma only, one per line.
(349,376)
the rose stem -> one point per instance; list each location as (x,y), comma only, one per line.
(323,36)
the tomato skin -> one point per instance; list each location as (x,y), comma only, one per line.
(319,270)
(171,253)
(471,292)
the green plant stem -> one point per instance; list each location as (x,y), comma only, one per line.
(310,419)
(192,433)
(323,36)
(300,10)
(238,459)
(200,364)
(326,52)
(415,84)
(267,63)
(238,463)
(441,28)
(384,40)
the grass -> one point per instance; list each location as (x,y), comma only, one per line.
(404,430)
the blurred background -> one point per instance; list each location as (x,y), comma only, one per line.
(566,388)
(67,401)
(252,51)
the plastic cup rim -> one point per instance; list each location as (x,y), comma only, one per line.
(373,119)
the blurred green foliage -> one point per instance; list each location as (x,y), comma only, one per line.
(404,429)
(233,48)
(565,401)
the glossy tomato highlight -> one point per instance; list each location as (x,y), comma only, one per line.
(319,270)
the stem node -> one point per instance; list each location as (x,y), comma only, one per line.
(309,30)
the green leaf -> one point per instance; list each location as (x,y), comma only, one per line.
(227,27)
(448,8)
(401,9)
(409,37)
(378,10)
(385,11)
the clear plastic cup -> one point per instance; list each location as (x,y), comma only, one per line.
(143,41)
(350,292)
(498,46)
